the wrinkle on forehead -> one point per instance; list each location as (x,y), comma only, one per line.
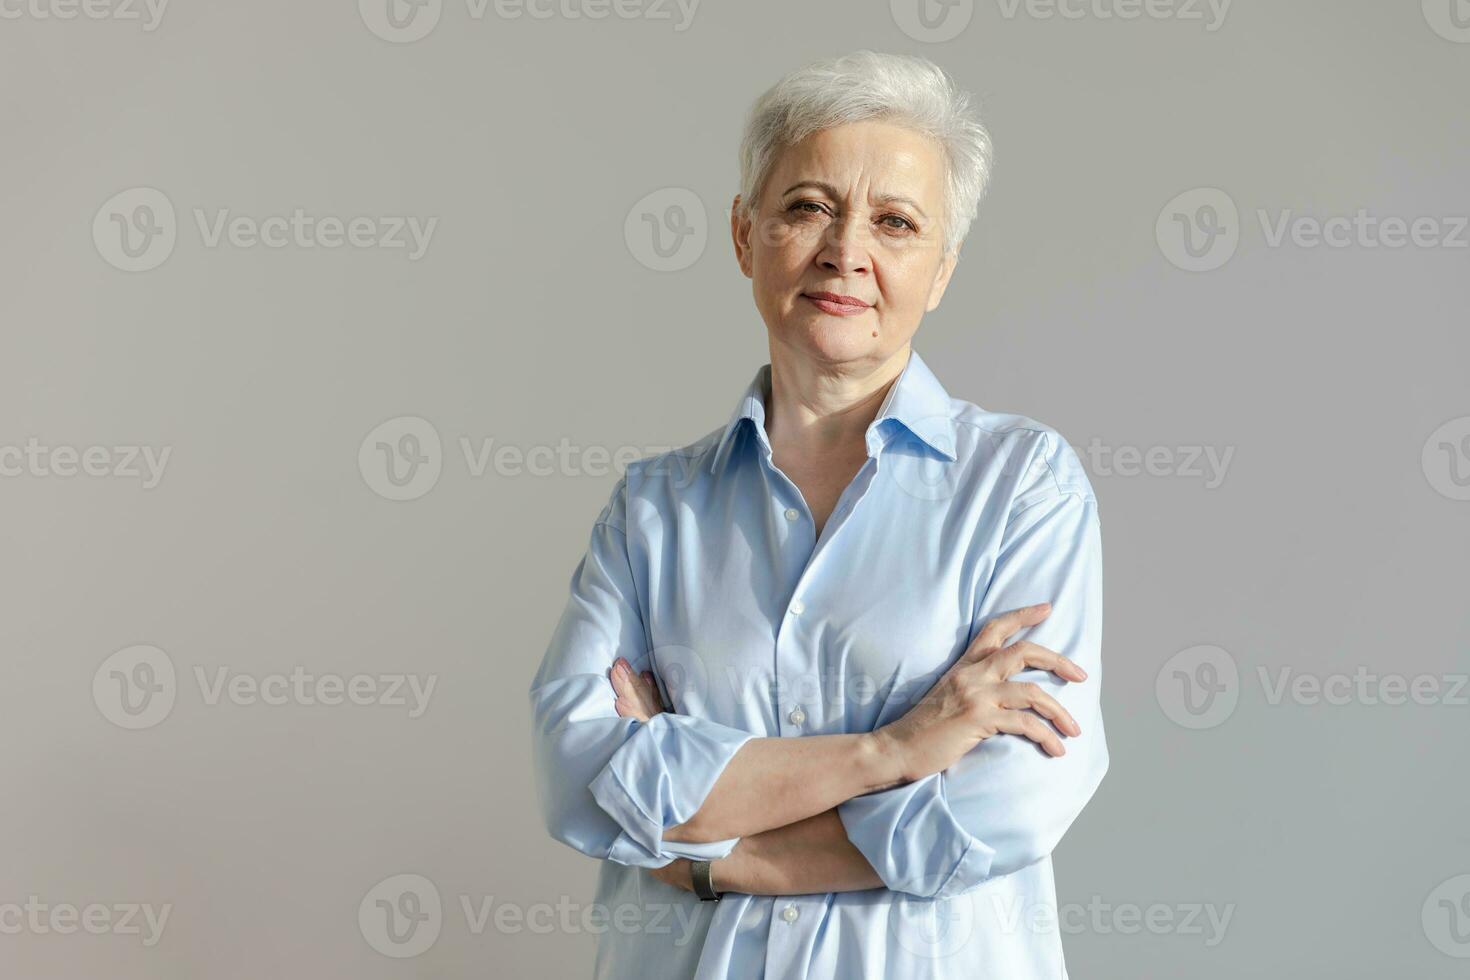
(867,161)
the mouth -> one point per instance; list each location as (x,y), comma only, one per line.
(837,304)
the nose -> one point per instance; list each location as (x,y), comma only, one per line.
(845,247)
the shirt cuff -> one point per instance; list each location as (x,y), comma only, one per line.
(972,868)
(659,778)
(913,840)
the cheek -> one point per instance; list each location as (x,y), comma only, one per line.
(771,236)
(778,269)
(905,280)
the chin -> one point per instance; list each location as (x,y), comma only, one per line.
(834,338)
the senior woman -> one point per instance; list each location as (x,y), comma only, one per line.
(824,696)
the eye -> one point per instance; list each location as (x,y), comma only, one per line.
(903,223)
(807,207)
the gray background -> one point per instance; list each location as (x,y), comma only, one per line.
(1335,541)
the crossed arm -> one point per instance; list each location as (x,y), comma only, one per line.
(779,796)
(931,804)
(805,854)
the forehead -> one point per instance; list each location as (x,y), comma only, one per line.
(869,157)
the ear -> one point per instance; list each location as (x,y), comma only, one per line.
(740,234)
(941,280)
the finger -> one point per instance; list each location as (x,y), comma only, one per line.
(621,676)
(645,692)
(654,696)
(630,709)
(995,632)
(631,706)
(635,687)
(1036,655)
(1022,695)
(1032,727)
(1005,663)
(632,701)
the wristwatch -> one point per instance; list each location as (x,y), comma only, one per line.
(704,885)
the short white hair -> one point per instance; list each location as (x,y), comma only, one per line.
(906,90)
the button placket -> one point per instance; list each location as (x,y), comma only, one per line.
(787,942)
(805,659)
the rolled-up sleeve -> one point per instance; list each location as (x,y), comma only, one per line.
(610,786)
(1006,803)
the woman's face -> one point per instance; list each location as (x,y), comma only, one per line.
(853,211)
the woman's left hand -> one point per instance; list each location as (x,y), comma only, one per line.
(637,694)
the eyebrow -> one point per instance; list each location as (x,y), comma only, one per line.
(831,192)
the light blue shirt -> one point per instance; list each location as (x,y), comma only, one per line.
(705,567)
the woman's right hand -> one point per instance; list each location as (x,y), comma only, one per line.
(975,699)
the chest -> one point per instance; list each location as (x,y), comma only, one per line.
(820,481)
(756,617)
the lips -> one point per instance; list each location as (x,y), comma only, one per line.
(837,304)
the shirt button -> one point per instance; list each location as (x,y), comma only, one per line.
(797,607)
(789,913)
(797,716)
(792,513)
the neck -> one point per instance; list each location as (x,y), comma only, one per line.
(825,409)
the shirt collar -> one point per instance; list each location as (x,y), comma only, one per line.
(916,400)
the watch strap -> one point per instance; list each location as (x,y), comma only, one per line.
(704,885)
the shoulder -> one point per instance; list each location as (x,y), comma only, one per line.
(655,480)
(1030,458)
